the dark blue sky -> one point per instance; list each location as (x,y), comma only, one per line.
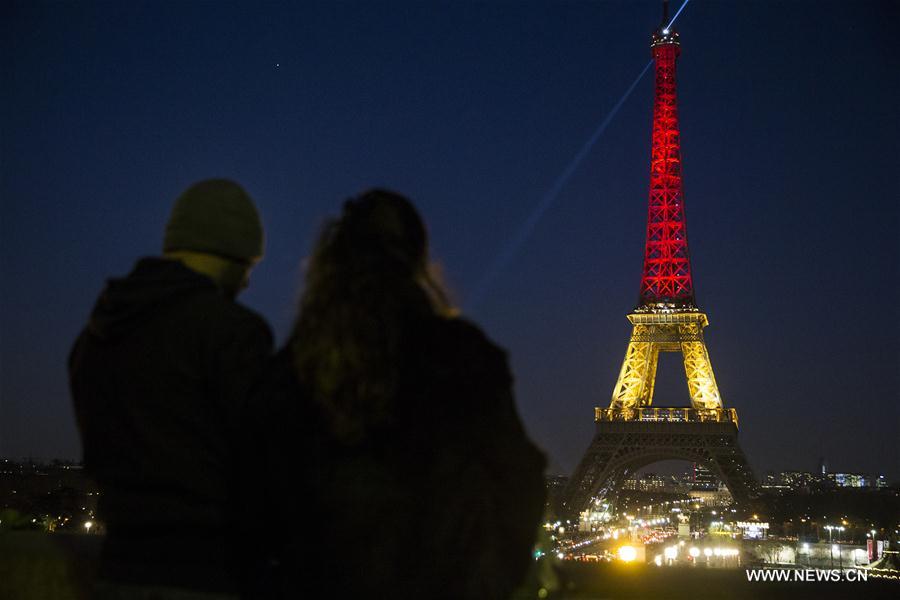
(791,158)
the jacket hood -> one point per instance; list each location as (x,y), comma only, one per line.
(127,302)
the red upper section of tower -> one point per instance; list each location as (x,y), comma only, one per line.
(666,281)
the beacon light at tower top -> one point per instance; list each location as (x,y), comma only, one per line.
(665,27)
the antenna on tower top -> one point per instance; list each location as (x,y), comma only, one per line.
(664,34)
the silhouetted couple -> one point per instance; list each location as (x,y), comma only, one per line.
(378,454)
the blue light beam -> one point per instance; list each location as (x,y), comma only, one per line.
(512,247)
(676,14)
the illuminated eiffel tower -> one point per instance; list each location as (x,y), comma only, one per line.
(631,433)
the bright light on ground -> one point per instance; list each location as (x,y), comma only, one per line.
(627,553)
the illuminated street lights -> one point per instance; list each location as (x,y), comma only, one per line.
(873,554)
(840,556)
(87,526)
(830,529)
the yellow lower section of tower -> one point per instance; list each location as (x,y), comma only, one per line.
(666,332)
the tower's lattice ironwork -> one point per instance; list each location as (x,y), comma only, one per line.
(631,433)
(667,264)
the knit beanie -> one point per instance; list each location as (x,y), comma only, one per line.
(215,216)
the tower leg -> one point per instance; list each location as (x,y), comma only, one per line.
(634,387)
(700,379)
(647,400)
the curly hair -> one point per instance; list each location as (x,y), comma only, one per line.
(368,281)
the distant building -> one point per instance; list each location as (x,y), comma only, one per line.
(703,479)
(851,480)
(802,481)
(753,530)
(650,482)
(719,496)
(858,480)
(775,482)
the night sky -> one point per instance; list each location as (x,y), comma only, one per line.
(789,122)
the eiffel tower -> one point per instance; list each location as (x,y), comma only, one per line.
(631,433)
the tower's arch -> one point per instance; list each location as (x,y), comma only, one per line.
(622,447)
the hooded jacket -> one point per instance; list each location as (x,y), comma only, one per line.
(160,379)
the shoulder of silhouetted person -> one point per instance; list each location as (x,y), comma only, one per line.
(485,486)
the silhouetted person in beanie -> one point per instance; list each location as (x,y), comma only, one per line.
(395,441)
(159,379)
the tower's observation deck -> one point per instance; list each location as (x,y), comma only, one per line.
(672,414)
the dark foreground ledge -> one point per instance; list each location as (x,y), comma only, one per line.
(42,566)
